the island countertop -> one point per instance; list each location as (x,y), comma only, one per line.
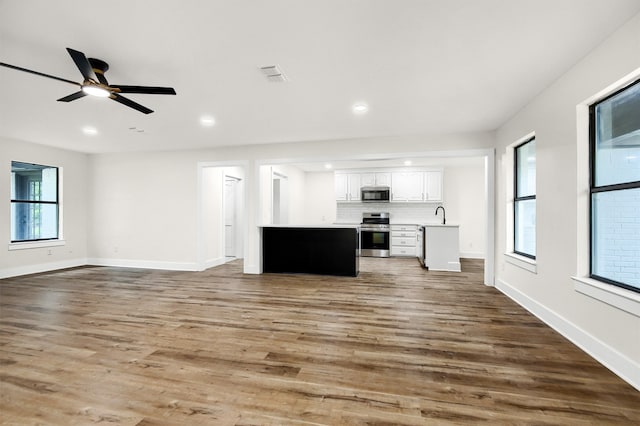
(314,226)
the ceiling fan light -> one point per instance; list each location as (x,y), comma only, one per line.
(96,91)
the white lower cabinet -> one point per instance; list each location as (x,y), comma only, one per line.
(403,240)
(442,247)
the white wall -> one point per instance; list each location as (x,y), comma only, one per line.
(144,210)
(294,181)
(610,334)
(297,194)
(75,186)
(464,199)
(320,200)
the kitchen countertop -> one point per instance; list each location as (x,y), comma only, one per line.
(316,226)
(424,224)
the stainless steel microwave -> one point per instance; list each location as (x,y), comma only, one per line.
(375,194)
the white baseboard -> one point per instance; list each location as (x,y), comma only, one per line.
(471,255)
(123,263)
(212,263)
(41,267)
(252,269)
(624,367)
(144,264)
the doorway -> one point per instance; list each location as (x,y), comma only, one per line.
(231,197)
(221,213)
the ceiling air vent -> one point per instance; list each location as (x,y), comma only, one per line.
(273,73)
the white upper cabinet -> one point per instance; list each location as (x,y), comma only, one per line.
(347,186)
(433,186)
(368,179)
(375,179)
(407,186)
(342,187)
(354,186)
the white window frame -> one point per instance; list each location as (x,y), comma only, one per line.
(621,298)
(54,242)
(517,199)
(510,256)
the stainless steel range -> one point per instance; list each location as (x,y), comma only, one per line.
(375,235)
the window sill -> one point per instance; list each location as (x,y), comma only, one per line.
(36,244)
(626,300)
(522,262)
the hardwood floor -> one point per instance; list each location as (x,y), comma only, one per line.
(396,345)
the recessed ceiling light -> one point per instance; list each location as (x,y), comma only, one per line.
(88,130)
(328,166)
(207,121)
(407,163)
(360,108)
(96,91)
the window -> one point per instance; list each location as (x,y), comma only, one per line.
(524,200)
(614,124)
(34,202)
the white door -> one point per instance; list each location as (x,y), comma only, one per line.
(230,226)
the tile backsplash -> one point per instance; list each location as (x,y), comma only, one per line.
(410,213)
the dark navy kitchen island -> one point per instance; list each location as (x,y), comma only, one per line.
(330,250)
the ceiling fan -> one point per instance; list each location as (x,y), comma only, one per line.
(96,84)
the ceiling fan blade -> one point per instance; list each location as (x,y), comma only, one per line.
(73,97)
(149,90)
(99,67)
(39,73)
(83,64)
(102,79)
(130,103)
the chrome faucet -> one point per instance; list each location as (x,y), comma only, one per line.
(444,214)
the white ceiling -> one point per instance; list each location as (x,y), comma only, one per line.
(423,66)
(397,163)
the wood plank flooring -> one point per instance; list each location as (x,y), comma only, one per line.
(395,346)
